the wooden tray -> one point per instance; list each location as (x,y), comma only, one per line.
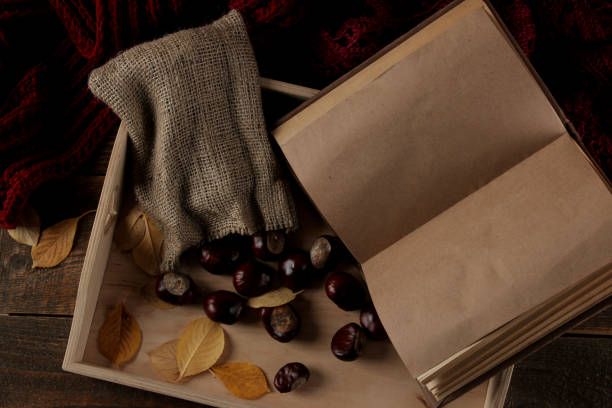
(109,276)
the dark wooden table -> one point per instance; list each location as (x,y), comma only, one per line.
(36,308)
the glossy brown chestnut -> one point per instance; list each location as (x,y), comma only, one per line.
(345,290)
(372,324)
(348,342)
(291,377)
(326,251)
(176,288)
(252,278)
(224,306)
(294,269)
(282,322)
(267,246)
(223,255)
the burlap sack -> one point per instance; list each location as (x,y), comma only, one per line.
(201,158)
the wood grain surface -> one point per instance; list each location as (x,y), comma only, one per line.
(570,372)
(31,352)
(45,291)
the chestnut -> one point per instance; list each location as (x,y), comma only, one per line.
(224,306)
(268,245)
(327,251)
(294,269)
(345,290)
(223,255)
(252,278)
(371,323)
(281,322)
(291,377)
(348,342)
(176,288)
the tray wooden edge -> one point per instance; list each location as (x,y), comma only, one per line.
(98,250)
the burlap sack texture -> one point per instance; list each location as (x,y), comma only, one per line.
(201,159)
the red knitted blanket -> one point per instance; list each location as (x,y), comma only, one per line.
(50,123)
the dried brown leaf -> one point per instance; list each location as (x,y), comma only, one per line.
(28,230)
(130,229)
(148,292)
(244,380)
(199,347)
(147,254)
(55,243)
(120,336)
(163,359)
(274,298)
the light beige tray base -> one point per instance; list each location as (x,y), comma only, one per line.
(109,277)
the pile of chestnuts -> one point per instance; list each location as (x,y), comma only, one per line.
(247,259)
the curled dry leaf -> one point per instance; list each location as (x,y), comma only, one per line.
(28,230)
(148,292)
(55,243)
(199,347)
(274,298)
(130,229)
(163,359)
(244,380)
(147,254)
(120,336)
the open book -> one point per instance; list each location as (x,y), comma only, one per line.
(453,178)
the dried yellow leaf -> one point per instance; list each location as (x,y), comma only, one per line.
(130,229)
(147,254)
(199,347)
(148,292)
(244,380)
(120,336)
(163,359)
(28,230)
(274,298)
(55,243)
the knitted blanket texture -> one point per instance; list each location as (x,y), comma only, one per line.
(50,123)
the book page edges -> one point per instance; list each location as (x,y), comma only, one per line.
(511,338)
(532,348)
(527,235)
